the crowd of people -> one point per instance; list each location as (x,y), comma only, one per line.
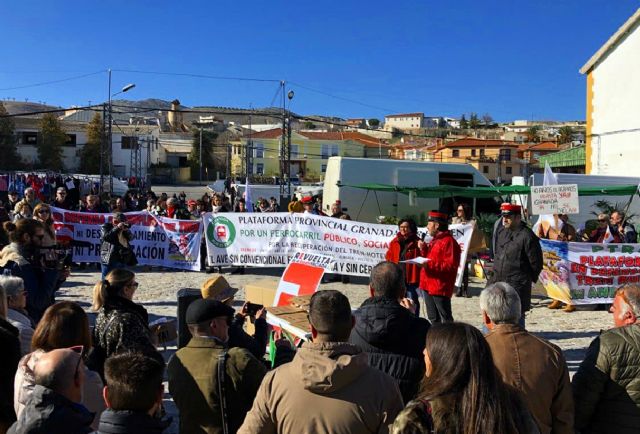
(377,369)
(398,363)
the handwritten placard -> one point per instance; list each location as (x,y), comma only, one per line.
(555,199)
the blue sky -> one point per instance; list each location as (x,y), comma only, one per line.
(513,59)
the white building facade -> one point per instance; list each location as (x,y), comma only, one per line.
(613,103)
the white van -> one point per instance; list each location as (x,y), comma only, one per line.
(367,206)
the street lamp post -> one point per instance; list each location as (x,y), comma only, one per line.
(126,88)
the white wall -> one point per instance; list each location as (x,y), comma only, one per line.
(616,107)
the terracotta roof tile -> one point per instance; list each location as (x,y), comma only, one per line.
(266,134)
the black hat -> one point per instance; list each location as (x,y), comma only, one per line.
(206,309)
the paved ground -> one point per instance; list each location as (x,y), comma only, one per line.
(158,288)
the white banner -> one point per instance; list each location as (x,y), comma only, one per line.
(272,239)
(158,241)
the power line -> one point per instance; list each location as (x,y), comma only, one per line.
(62,80)
(184,74)
(342,98)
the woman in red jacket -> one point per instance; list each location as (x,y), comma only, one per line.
(405,246)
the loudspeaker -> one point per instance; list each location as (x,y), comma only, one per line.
(185,297)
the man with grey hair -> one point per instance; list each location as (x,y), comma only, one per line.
(29,198)
(17,313)
(54,406)
(527,363)
(606,387)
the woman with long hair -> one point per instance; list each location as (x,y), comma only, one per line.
(52,267)
(462,392)
(464,216)
(21,259)
(121,324)
(63,325)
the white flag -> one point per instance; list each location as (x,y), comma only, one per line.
(247,196)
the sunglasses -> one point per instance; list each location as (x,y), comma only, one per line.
(602,221)
(40,237)
(44,211)
(78,349)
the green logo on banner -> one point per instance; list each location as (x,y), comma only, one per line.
(221,232)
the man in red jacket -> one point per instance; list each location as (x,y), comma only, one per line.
(438,276)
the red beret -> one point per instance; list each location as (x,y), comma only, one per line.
(509,208)
(307,199)
(438,216)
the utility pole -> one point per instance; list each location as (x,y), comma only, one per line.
(282,156)
(109,125)
(103,145)
(200,154)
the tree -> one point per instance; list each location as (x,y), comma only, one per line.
(9,157)
(374,123)
(474,122)
(533,133)
(308,125)
(90,154)
(208,142)
(463,123)
(487,120)
(442,123)
(565,135)
(50,141)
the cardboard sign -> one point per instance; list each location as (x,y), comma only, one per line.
(555,199)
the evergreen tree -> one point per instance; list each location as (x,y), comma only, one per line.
(474,122)
(50,141)
(374,123)
(208,141)
(90,154)
(463,123)
(533,133)
(9,158)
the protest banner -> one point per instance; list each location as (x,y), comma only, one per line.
(555,199)
(158,241)
(272,239)
(587,273)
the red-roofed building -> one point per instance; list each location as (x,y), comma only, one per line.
(498,160)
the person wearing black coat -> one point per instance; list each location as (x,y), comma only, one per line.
(517,255)
(389,332)
(115,250)
(10,344)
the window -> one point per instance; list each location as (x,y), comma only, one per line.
(455,153)
(509,170)
(473,152)
(258,150)
(505,154)
(485,169)
(128,142)
(71,140)
(29,138)
(323,168)
(295,149)
(482,152)
(259,169)
(334,150)
(325,151)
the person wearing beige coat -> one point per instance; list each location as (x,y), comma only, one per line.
(329,386)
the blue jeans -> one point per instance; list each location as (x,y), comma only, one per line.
(107,268)
(412,293)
